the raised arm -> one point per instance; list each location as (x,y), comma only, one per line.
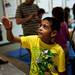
(8,26)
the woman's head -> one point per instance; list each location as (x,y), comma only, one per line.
(66,14)
(58,13)
(48,28)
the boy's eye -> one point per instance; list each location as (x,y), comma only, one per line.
(45,26)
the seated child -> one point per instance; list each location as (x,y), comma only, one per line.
(47,57)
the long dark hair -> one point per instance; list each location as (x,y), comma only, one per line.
(66,14)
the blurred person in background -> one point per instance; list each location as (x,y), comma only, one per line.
(27,16)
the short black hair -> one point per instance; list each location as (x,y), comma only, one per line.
(41,10)
(55,23)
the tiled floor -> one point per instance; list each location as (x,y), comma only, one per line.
(19,64)
(10,69)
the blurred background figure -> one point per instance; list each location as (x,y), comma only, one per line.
(41,12)
(74,11)
(67,14)
(26,15)
(63,35)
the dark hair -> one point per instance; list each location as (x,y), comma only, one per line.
(55,23)
(67,9)
(41,10)
(74,10)
(58,13)
(66,14)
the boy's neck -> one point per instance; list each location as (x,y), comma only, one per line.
(48,41)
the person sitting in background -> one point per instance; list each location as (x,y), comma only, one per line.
(47,57)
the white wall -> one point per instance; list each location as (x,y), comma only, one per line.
(1,8)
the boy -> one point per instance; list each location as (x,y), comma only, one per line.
(41,46)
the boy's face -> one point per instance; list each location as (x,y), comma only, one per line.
(44,30)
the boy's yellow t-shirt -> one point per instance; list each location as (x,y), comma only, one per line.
(35,45)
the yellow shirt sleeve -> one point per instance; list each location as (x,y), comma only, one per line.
(24,42)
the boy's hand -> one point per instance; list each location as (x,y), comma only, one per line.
(7,24)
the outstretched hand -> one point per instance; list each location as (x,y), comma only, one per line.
(7,23)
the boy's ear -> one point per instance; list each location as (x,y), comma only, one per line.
(53,34)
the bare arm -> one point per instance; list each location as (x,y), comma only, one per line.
(8,26)
(12,38)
